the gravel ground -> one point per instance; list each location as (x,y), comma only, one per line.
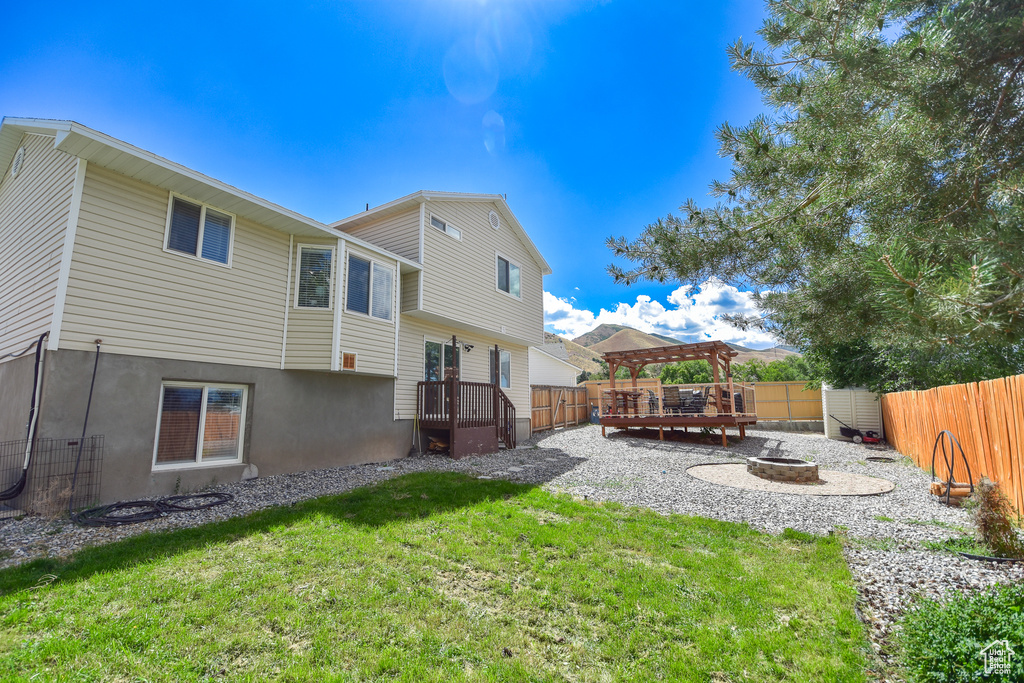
(884,532)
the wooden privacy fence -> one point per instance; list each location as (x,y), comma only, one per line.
(789,401)
(986,417)
(557,407)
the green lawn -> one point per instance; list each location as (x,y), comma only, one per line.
(439,577)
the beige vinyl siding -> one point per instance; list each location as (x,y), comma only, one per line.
(547,371)
(475,364)
(372,339)
(410,291)
(144,301)
(310,330)
(459,279)
(399,234)
(34,209)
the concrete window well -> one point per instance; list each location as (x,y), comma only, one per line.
(789,470)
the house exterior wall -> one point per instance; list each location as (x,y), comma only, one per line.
(459,278)
(372,340)
(141,300)
(310,330)
(296,420)
(34,209)
(414,333)
(16,378)
(399,233)
(548,371)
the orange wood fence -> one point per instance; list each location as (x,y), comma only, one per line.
(557,407)
(986,417)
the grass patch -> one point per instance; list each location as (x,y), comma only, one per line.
(439,576)
(883,518)
(965,544)
(942,641)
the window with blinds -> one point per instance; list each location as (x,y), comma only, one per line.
(314,277)
(370,288)
(200,424)
(200,231)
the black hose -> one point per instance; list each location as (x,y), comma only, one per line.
(85,425)
(119,514)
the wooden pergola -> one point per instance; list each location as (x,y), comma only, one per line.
(717,353)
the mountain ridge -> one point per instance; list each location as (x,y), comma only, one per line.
(606,338)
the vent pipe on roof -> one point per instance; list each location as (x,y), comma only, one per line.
(367,206)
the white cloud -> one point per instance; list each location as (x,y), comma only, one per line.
(688,319)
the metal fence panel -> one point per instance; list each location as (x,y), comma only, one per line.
(49,476)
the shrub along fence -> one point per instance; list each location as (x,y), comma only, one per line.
(986,417)
(557,407)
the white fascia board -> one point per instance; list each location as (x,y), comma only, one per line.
(70,231)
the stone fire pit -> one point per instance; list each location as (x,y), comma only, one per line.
(789,470)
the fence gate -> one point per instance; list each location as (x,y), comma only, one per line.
(553,407)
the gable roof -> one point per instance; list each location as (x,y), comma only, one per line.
(413,200)
(556,351)
(127,159)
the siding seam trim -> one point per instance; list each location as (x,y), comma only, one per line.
(336,330)
(64,274)
(287,298)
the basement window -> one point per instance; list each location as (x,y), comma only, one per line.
(199,425)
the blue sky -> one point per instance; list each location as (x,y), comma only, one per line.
(595,118)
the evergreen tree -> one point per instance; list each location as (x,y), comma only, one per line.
(880,203)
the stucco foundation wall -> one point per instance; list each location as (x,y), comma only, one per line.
(15,395)
(296,420)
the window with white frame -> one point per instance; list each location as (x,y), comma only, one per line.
(200,424)
(314,277)
(198,230)
(508,276)
(369,288)
(446,227)
(504,368)
(436,357)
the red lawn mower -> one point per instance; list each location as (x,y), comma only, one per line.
(857,435)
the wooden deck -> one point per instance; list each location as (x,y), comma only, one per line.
(722,403)
(660,422)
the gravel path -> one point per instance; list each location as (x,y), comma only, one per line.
(884,532)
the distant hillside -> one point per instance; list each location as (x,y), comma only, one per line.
(628,338)
(598,334)
(581,357)
(605,338)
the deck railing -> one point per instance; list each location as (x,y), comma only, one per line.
(478,404)
(681,400)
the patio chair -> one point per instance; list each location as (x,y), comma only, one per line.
(652,402)
(671,402)
(698,401)
(737,401)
